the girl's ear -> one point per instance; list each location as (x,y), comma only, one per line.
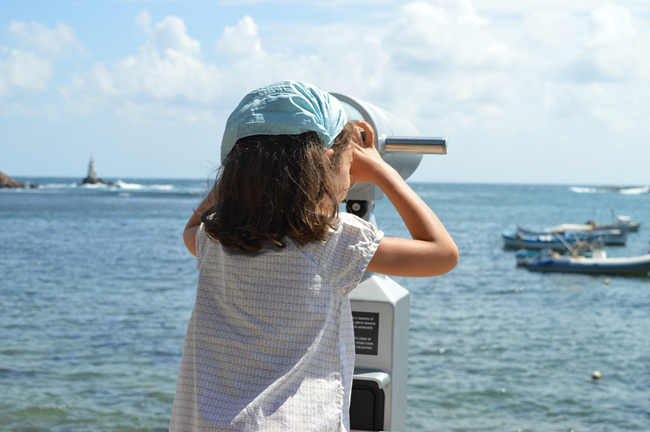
(329,152)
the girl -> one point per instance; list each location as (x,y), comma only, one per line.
(270,345)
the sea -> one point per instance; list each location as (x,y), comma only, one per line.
(96,290)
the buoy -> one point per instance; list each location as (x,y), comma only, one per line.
(596,375)
(606,281)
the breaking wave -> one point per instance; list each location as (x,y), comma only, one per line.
(606,189)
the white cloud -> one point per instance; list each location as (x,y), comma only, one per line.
(316,3)
(171,34)
(167,68)
(443,63)
(144,113)
(30,66)
(611,22)
(24,70)
(562,83)
(460,68)
(241,41)
(250,65)
(143,19)
(58,41)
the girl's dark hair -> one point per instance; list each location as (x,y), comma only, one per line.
(273,186)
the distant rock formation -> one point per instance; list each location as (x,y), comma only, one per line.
(8,182)
(92,178)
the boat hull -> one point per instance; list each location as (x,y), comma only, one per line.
(632,266)
(538,242)
(609,237)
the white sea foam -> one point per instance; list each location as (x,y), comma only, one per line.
(137,186)
(636,191)
(58,186)
(623,190)
(162,187)
(131,186)
(578,189)
(95,186)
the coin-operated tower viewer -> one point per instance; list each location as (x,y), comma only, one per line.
(380,306)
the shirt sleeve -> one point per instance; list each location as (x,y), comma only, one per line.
(200,243)
(353,245)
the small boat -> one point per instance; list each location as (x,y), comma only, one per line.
(524,255)
(599,263)
(623,223)
(522,240)
(611,237)
(567,241)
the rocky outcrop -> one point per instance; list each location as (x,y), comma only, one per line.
(8,182)
(92,178)
(95,180)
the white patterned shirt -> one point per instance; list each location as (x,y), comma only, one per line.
(270,343)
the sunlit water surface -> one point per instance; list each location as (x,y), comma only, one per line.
(96,289)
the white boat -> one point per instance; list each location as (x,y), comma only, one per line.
(522,240)
(561,240)
(623,223)
(599,263)
(524,255)
(572,232)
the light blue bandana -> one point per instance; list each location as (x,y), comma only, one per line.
(285,108)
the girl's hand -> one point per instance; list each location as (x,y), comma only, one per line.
(367,164)
(189,234)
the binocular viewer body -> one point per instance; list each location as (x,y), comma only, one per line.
(380,306)
(397,140)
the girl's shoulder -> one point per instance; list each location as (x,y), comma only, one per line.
(347,222)
(346,252)
(202,241)
(350,234)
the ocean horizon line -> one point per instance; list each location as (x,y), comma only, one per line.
(411,181)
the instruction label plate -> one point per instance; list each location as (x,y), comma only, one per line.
(366,332)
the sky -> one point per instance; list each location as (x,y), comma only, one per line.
(535,91)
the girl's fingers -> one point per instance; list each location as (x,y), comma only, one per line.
(368,131)
(359,137)
(367,163)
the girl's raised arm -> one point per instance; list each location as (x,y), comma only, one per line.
(431,251)
(189,234)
